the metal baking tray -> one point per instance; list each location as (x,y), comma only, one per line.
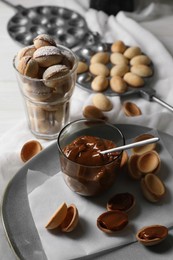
(84,79)
(66,26)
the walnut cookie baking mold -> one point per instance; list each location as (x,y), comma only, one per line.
(114,59)
(66,26)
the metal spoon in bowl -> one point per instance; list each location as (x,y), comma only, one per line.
(128,146)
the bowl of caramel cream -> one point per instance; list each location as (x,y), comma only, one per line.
(86,171)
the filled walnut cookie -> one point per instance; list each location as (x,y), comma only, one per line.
(54,72)
(26,51)
(43,40)
(39,92)
(29,67)
(47,56)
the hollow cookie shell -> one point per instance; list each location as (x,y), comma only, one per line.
(124,159)
(71,219)
(30,149)
(133,170)
(152,187)
(149,162)
(65,218)
(152,235)
(144,148)
(57,217)
(131,109)
(102,102)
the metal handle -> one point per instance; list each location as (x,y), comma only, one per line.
(149,94)
(132,145)
(18,7)
(161,102)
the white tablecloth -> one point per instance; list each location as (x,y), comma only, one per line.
(152,31)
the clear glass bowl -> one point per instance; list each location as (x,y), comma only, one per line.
(89,180)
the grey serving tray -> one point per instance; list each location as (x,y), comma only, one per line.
(19,225)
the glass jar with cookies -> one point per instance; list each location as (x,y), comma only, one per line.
(46,74)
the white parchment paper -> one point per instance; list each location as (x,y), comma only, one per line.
(87,239)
